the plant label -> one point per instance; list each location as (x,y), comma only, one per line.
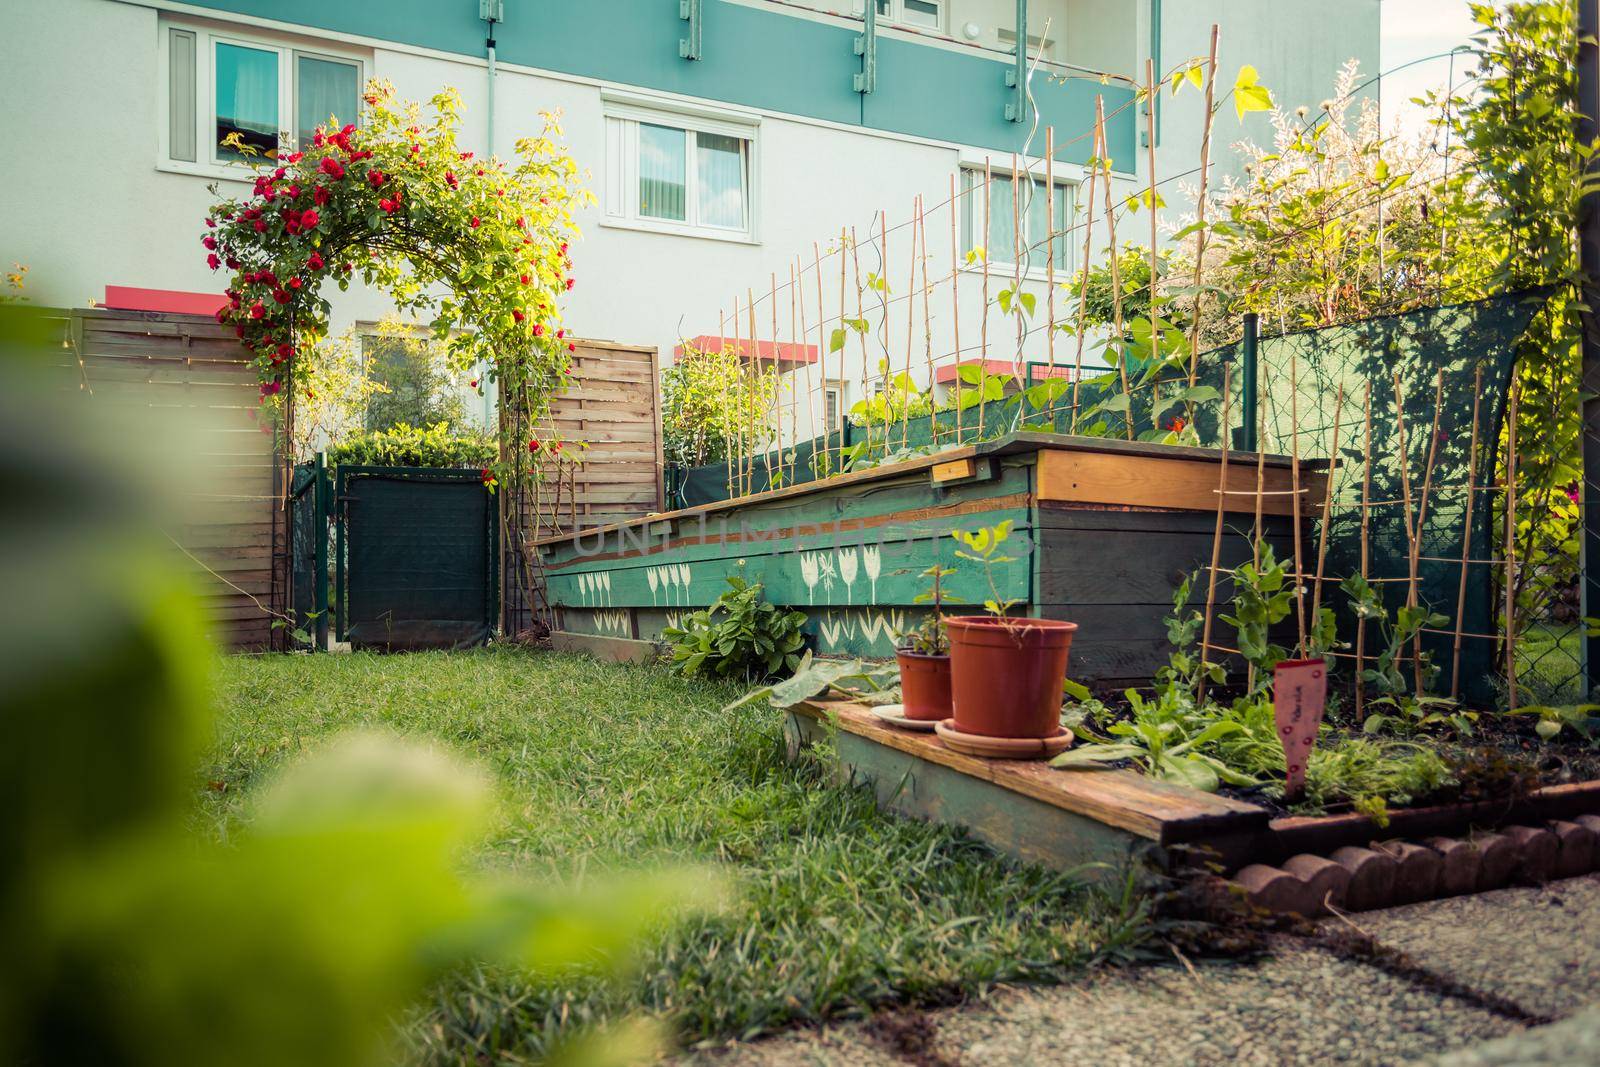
(1299,694)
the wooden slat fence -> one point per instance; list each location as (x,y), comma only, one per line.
(189,369)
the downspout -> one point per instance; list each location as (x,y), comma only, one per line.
(490,11)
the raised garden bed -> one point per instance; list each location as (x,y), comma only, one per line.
(1106,527)
(1100,821)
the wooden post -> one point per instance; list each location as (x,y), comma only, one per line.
(1511,547)
(739,428)
(1366,515)
(955,298)
(1050,254)
(1466,536)
(911,310)
(811,396)
(1083,277)
(1155,334)
(1200,203)
(861,316)
(1405,499)
(755,362)
(927,327)
(983,325)
(1327,509)
(1116,272)
(1216,546)
(1294,484)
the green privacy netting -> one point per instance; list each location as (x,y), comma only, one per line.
(419,557)
(1458,348)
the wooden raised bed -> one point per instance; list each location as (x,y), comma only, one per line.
(1104,530)
(1097,822)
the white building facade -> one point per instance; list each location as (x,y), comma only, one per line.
(728,141)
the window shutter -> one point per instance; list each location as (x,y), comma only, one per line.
(181,95)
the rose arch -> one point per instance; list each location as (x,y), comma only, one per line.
(476,248)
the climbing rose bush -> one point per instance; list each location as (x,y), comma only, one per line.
(478,247)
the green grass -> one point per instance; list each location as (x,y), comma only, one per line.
(1550,664)
(840,908)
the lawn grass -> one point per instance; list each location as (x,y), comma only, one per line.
(840,908)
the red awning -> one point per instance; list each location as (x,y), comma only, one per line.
(785,354)
(132,298)
(946,375)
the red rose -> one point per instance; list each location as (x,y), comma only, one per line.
(295,283)
(538,330)
(466,155)
(261,226)
(415,149)
(526,280)
(517,315)
(572,348)
(257,311)
(533,446)
(222,315)
(233,264)
(281,296)
(331,167)
(571,282)
(315,262)
(450,180)
(211,223)
(238,331)
(556,447)
(309,219)
(388,205)
(271,388)
(320,195)
(285,350)
(374,177)
(475,221)
(213,262)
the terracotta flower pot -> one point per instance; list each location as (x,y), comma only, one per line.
(1006,674)
(924,685)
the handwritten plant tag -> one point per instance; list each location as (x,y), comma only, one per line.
(1299,694)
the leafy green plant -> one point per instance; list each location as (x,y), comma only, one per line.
(1581,719)
(1164,738)
(738,636)
(415,446)
(983,546)
(930,637)
(1407,711)
(712,398)
(851,678)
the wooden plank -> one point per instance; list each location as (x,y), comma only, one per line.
(1075,567)
(1151,481)
(1158,811)
(606,649)
(954,470)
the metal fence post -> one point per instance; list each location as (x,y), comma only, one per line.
(1588,128)
(319,600)
(1249,350)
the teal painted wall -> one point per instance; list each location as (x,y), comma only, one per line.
(756,57)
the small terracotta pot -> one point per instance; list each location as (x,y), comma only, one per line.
(1006,674)
(924,685)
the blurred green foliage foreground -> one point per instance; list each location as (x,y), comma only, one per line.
(479,857)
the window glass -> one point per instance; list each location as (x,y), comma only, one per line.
(921,13)
(247,98)
(323,88)
(720,170)
(181,123)
(663,169)
(1002,246)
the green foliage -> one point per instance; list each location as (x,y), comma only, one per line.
(411,446)
(1407,710)
(985,546)
(850,678)
(417,387)
(709,399)
(1582,719)
(931,637)
(738,636)
(1165,738)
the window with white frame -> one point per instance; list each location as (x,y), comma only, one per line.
(924,14)
(270,93)
(832,406)
(679,173)
(1001,241)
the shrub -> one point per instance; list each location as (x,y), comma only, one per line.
(412,446)
(709,398)
(751,639)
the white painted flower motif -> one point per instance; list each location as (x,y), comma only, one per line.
(655,582)
(810,571)
(849,567)
(872,563)
(684,578)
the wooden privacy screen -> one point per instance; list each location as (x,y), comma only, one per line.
(191,375)
(611,407)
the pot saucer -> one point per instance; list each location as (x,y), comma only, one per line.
(893,714)
(1003,747)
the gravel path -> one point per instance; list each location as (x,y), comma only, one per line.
(1536,948)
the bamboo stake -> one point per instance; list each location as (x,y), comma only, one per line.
(1261,469)
(1422,510)
(1050,253)
(927,327)
(727,432)
(1405,493)
(755,362)
(1200,204)
(822,367)
(776,417)
(1116,273)
(843,236)
(739,428)
(1294,484)
(955,300)
(1327,508)
(1366,498)
(799,341)
(1466,537)
(1511,548)
(1155,334)
(911,308)
(1216,545)
(1020,254)
(983,326)
(1083,283)
(861,316)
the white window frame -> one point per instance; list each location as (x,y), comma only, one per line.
(837,388)
(972,221)
(207,37)
(623,118)
(896,15)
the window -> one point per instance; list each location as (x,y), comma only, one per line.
(832,406)
(268,94)
(679,173)
(1000,244)
(925,14)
